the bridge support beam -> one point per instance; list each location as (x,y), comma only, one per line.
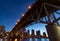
(53,32)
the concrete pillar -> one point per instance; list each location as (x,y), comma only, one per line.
(53,32)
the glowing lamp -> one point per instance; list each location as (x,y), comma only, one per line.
(22,14)
(29,7)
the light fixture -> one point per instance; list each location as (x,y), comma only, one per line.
(29,7)
(18,20)
(16,39)
(22,14)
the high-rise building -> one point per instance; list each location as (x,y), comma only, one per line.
(32,32)
(38,33)
(28,32)
(44,34)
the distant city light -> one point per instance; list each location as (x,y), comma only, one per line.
(29,7)
(22,14)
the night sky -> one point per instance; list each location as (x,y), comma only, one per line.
(12,10)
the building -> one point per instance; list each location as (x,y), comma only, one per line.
(44,34)
(38,33)
(28,32)
(32,32)
(2,32)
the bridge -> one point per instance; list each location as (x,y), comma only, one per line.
(42,11)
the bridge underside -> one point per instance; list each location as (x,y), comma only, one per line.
(39,10)
(42,11)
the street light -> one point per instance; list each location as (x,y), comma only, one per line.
(18,20)
(29,7)
(22,14)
